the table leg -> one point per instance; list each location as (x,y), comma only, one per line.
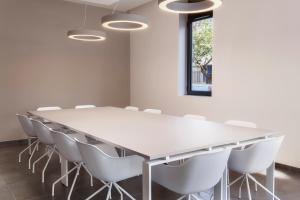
(227,183)
(270,181)
(147,181)
(123,152)
(220,190)
(64,170)
(29,143)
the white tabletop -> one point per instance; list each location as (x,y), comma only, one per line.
(151,135)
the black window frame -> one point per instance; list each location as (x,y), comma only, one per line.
(192,18)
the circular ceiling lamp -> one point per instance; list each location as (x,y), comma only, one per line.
(87,35)
(124,22)
(189,6)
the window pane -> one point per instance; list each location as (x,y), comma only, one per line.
(201,76)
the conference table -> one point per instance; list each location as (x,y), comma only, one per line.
(158,138)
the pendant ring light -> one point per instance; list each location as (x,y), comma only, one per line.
(124,21)
(87,35)
(185,7)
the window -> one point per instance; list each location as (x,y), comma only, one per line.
(199,54)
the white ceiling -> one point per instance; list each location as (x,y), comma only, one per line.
(124,5)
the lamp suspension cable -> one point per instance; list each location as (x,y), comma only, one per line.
(84,34)
(84,16)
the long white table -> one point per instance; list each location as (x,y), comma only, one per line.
(158,138)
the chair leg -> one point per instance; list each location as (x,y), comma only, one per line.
(195,197)
(43,172)
(248,188)
(125,192)
(27,148)
(31,156)
(95,193)
(255,187)
(183,197)
(62,177)
(228,181)
(109,192)
(240,188)
(235,181)
(264,188)
(91,176)
(35,162)
(74,181)
(120,192)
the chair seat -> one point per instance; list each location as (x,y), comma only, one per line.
(108,149)
(53,125)
(80,137)
(130,166)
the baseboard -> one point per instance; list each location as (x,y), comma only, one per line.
(287,167)
(12,142)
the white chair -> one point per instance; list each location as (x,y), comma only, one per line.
(241,123)
(253,159)
(45,137)
(48,108)
(197,117)
(132,108)
(28,129)
(246,125)
(153,111)
(68,148)
(110,169)
(197,174)
(84,106)
(50,124)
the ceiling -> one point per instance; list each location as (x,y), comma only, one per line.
(124,5)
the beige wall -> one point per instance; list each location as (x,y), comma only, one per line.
(39,66)
(256,67)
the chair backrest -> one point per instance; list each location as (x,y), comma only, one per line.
(49,108)
(201,173)
(98,163)
(84,106)
(241,123)
(132,108)
(256,157)
(42,132)
(197,117)
(26,125)
(66,146)
(153,111)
